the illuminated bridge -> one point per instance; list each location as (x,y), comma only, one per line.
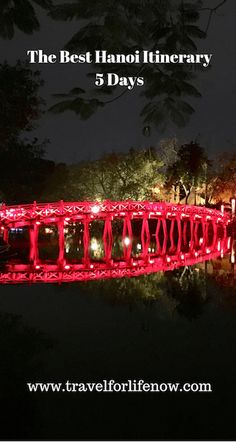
(80,241)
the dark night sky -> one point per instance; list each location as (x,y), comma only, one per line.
(118,126)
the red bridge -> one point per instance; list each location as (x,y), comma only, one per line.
(153,236)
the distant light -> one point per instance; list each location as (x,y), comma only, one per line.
(95,209)
(233,206)
(94,245)
(127,241)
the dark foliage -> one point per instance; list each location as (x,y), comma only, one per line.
(122,27)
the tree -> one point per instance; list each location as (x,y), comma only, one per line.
(20,14)
(20,108)
(223,183)
(20,103)
(23,171)
(131,175)
(188,170)
(172,26)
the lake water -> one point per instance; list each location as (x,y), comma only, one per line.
(176,326)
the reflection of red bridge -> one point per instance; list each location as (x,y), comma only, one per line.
(183,235)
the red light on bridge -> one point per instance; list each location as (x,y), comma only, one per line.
(127,241)
(95,209)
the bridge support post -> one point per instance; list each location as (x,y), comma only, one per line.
(164,245)
(185,233)
(145,236)
(127,238)
(158,245)
(61,240)
(179,234)
(172,243)
(33,234)
(6,234)
(196,231)
(86,241)
(107,239)
(191,235)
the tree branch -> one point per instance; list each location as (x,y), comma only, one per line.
(211,12)
(126,90)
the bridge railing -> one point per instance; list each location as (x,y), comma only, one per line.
(41,211)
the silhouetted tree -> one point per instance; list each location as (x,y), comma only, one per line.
(20,103)
(223,183)
(172,26)
(22,167)
(20,14)
(23,171)
(188,170)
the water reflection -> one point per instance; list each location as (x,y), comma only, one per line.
(176,325)
(22,349)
